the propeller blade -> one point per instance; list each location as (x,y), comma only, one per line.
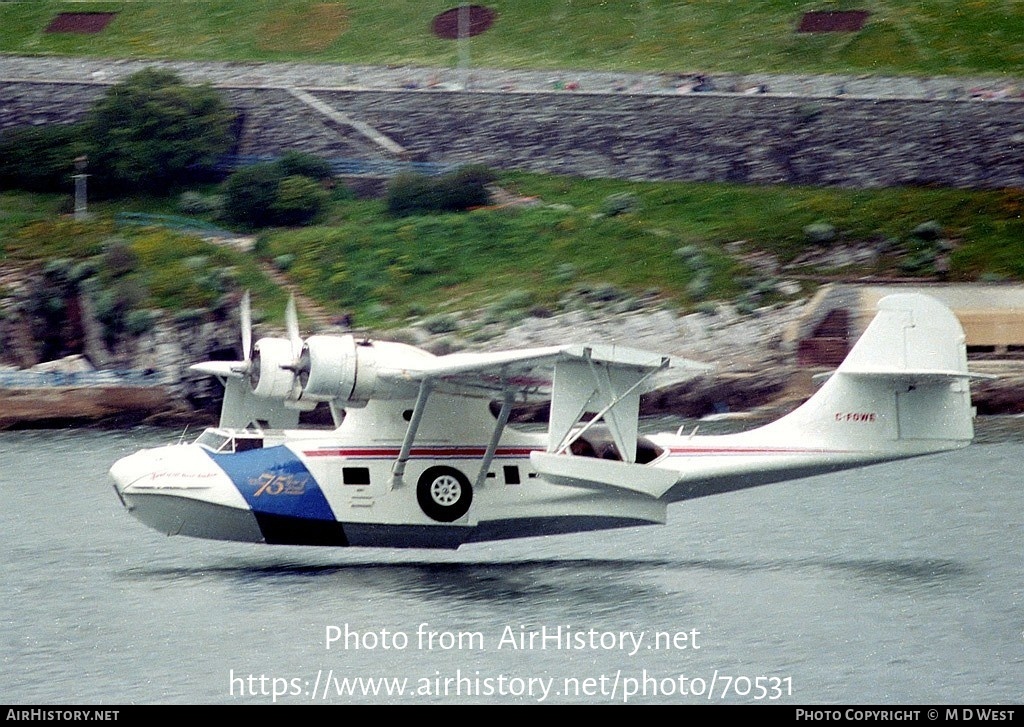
(246,328)
(292,322)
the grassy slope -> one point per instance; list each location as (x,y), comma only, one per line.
(903,36)
(421,264)
(385,269)
(364,260)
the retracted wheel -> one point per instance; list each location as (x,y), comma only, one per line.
(444,494)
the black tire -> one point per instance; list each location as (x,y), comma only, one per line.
(444,494)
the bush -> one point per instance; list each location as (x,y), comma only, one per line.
(441,324)
(620,203)
(300,200)
(410,193)
(119,259)
(465,188)
(820,233)
(40,159)
(300,164)
(250,194)
(153,132)
(928,231)
(261,195)
(284,262)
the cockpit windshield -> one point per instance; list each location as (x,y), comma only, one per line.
(219,440)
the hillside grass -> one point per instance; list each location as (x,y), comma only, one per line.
(929,37)
(387,269)
(683,243)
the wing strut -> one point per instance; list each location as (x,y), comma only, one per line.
(604,387)
(426,385)
(492,446)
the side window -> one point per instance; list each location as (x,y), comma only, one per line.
(355,475)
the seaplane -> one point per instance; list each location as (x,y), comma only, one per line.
(421,454)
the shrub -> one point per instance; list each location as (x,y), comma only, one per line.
(299,201)
(465,188)
(515,300)
(620,203)
(410,193)
(698,287)
(284,262)
(930,230)
(820,233)
(441,324)
(119,259)
(40,159)
(300,164)
(250,193)
(152,132)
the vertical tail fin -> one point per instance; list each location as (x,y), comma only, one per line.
(904,386)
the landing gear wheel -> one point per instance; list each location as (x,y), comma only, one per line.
(444,494)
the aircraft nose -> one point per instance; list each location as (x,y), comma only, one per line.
(179,490)
(127,471)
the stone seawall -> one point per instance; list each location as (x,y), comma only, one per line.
(840,140)
(761,139)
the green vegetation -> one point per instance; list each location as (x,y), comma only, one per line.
(675,241)
(462,189)
(901,36)
(678,241)
(287,192)
(40,158)
(127,269)
(152,131)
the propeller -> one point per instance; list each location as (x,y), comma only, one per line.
(246,327)
(291,319)
(244,367)
(263,360)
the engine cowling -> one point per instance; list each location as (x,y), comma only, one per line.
(345,371)
(327,368)
(337,369)
(270,371)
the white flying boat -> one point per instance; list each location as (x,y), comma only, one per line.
(418,459)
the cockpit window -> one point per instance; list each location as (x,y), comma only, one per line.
(214,441)
(217,441)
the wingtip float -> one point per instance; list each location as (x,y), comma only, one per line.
(418,460)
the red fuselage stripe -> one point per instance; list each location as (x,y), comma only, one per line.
(438,452)
(736,451)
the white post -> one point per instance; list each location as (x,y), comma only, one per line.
(81,199)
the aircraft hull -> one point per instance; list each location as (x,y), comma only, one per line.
(297,495)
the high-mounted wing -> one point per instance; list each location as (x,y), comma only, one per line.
(278,376)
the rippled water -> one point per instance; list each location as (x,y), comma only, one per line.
(895,584)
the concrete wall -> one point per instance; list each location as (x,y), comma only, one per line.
(756,139)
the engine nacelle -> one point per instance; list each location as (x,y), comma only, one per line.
(270,374)
(327,368)
(345,371)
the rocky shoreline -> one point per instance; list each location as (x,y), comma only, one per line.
(750,362)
